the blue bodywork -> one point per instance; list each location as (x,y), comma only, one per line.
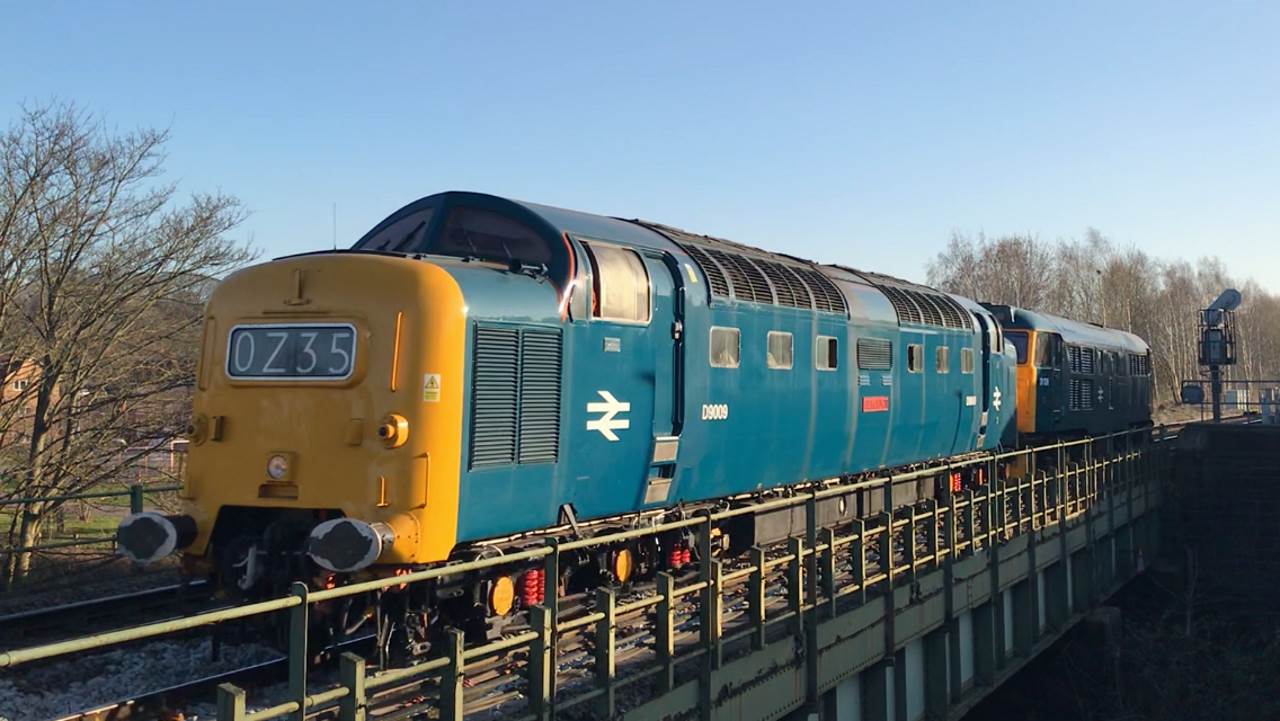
(691,431)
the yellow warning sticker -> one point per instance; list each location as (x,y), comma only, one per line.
(431,388)
(693,277)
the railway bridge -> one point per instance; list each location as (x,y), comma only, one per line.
(917,610)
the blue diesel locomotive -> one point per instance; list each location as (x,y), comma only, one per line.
(535,367)
(639,366)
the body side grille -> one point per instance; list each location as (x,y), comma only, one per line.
(875,354)
(515,395)
(539,440)
(494,388)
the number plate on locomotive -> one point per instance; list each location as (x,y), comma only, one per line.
(318,351)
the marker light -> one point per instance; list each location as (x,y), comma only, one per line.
(277,467)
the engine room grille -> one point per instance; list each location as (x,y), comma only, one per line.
(515,395)
(1087,361)
(1080,395)
(1139,365)
(743,273)
(875,354)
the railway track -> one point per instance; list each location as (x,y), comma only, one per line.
(175,701)
(168,702)
(79,618)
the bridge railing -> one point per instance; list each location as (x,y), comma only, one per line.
(1057,484)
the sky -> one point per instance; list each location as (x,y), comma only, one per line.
(858,133)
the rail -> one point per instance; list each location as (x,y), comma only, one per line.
(1115,468)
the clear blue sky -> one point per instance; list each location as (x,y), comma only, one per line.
(847,132)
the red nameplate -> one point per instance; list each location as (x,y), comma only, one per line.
(875,404)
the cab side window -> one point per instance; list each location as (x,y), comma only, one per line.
(620,284)
(1044,350)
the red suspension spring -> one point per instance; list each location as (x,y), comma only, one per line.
(678,556)
(532,590)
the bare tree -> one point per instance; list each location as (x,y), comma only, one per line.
(104,271)
(1091,280)
(1009,269)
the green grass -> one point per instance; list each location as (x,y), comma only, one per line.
(100,525)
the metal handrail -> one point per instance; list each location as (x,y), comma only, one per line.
(876,530)
(130,491)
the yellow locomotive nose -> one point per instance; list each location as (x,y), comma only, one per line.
(328,413)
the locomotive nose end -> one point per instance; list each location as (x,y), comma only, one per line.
(147,537)
(343,545)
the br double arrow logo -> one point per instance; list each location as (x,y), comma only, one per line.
(608,422)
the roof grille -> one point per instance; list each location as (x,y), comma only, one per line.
(756,275)
(932,313)
(826,296)
(748,282)
(903,305)
(710,268)
(787,286)
(922,306)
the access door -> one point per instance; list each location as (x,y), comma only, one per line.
(988,342)
(668,382)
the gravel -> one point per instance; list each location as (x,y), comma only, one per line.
(50,690)
(86,581)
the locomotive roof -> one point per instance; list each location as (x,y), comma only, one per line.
(645,233)
(951,315)
(1071,331)
(908,302)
